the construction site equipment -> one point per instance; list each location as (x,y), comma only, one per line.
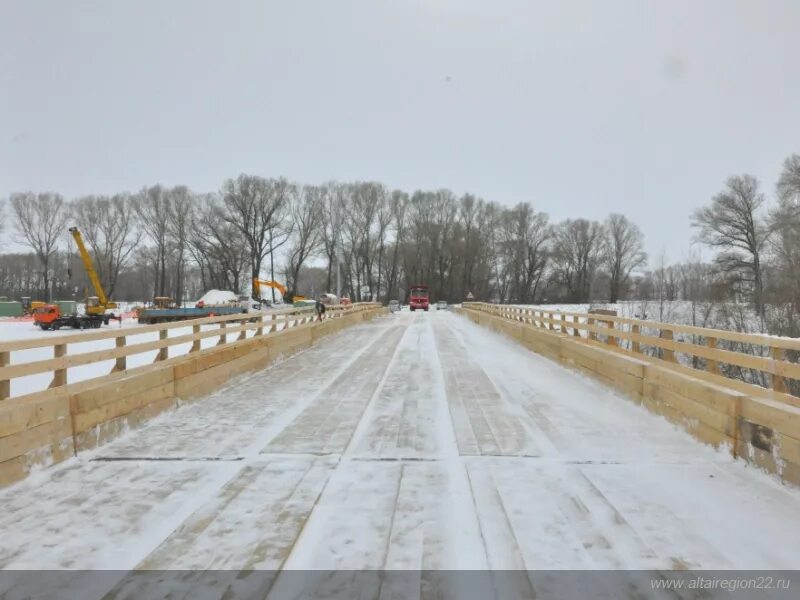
(50,317)
(67,307)
(28,305)
(10,309)
(65,314)
(288,296)
(98,304)
(165,315)
(165,310)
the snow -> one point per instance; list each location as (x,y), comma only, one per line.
(415,441)
(219,297)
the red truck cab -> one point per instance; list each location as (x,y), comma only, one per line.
(419,297)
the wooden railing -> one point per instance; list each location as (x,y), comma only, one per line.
(754,359)
(227,329)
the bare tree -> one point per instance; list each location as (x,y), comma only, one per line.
(733,225)
(576,255)
(41,220)
(399,206)
(217,246)
(789,181)
(785,247)
(307,214)
(179,210)
(330,233)
(108,225)
(623,252)
(152,208)
(256,208)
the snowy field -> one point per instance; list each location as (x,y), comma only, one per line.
(416,441)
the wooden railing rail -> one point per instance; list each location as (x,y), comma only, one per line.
(767,356)
(228,329)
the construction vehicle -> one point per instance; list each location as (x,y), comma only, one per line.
(419,297)
(289,297)
(28,305)
(98,304)
(49,316)
(165,309)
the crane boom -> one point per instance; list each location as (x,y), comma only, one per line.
(102,300)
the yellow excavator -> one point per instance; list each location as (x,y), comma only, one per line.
(288,296)
(95,305)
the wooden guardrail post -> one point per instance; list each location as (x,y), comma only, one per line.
(59,375)
(778,382)
(121,363)
(5,384)
(243,332)
(223,337)
(563,325)
(577,321)
(611,339)
(260,330)
(667,354)
(635,330)
(712,366)
(196,340)
(274,327)
(163,353)
(590,334)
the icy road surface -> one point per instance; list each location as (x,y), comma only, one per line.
(418,440)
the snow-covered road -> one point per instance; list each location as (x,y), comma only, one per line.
(416,441)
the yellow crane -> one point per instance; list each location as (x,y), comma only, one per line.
(95,305)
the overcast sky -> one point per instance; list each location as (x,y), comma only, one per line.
(582,107)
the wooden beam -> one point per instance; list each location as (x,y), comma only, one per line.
(121,362)
(59,375)
(5,384)
(778,382)
(163,353)
(196,338)
(667,355)
(712,366)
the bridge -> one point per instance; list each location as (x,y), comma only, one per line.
(489,437)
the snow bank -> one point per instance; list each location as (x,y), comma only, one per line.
(219,297)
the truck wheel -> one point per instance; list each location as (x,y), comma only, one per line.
(412,309)
(426,309)
(44,326)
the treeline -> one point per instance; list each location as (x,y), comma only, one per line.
(174,242)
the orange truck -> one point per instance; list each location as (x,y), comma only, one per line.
(50,316)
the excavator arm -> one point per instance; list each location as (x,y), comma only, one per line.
(257,283)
